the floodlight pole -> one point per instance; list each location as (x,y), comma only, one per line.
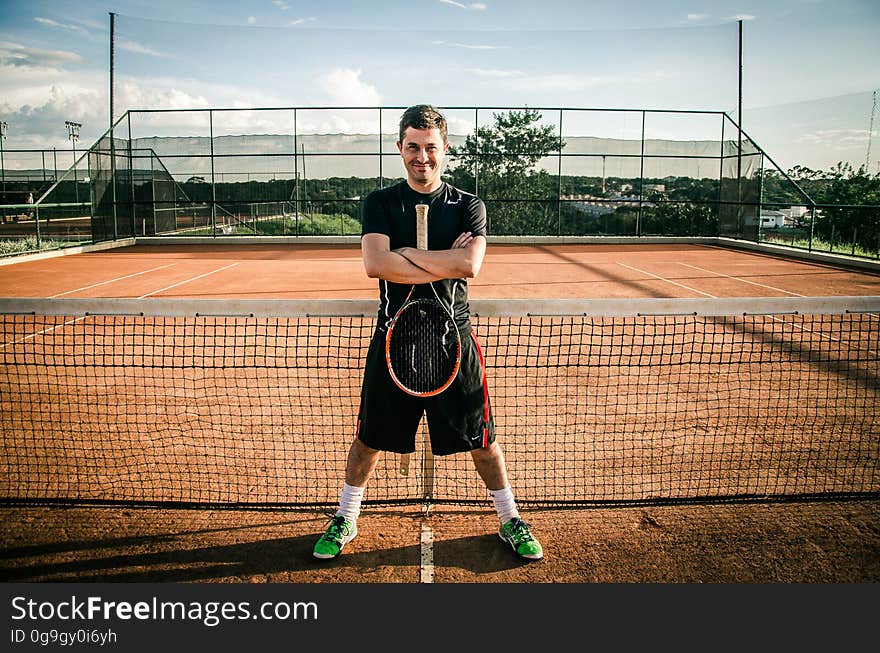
(739,119)
(73,135)
(112,140)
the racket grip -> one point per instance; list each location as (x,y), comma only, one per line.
(422,226)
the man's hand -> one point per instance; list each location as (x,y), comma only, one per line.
(463,240)
(410,265)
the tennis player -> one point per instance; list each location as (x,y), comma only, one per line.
(460,418)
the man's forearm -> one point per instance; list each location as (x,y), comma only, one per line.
(441,264)
(393,266)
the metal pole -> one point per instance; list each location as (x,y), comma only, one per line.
(3,128)
(37,225)
(213,185)
(112,140)
(477,165)
(295,174)
(306,183)
(381,152)
(559,182)
(641,178)
(721,211)
(73,134)
(761,203)
(112,34)
(739,199)
(131,180)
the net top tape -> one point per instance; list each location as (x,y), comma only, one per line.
(299,308)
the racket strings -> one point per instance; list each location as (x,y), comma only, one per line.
(424,347)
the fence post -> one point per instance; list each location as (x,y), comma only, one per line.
(37,225)
(559,182)
(213,184)
(641,178)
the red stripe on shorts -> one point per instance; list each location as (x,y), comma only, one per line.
(485,392)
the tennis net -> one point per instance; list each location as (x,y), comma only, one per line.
(238,403)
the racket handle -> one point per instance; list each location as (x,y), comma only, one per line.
(422,226)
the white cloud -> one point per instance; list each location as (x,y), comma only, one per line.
(491,72)
(344,87)
(474,6)
(475,46)
(251,20)
(281,4)
(38,101)
(48,22)
(300,21)
(570,82)
(157,94)
(835,138)
(138,48)
(15,54)
(560,81)
(695,17)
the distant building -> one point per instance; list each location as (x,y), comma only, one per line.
(772,219)
(596,206)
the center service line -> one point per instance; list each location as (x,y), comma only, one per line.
(180,283)
(426,571)
(674,283)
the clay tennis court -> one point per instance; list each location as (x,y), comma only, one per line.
(315,271)
(777,541)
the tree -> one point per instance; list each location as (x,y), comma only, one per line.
(500,161)
(850,224)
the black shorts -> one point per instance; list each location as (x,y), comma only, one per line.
(459,418)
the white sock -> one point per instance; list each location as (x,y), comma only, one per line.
(505,505)
(350,502)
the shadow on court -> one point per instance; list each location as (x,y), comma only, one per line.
(479,554)
(234,562)
(93,546)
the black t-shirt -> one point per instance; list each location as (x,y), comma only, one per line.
(391,211)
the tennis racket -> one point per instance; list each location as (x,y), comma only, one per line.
(423,345)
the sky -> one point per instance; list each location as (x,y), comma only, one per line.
(809,66)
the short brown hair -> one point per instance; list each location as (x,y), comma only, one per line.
(422,116)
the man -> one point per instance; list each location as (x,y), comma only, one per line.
(460,418)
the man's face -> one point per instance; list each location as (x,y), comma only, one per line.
(423,151)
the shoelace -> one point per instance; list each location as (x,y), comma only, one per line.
(334,531)
(521,532)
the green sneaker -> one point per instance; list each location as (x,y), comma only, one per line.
(519,536)
(339,533)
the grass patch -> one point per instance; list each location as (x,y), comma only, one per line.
(17,246)
(318,224)
(819,245)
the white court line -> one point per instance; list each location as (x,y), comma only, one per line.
(754,283)
(773,317)
(39,333)
(102,283)
(674,283)
(180,283)
(426,570)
